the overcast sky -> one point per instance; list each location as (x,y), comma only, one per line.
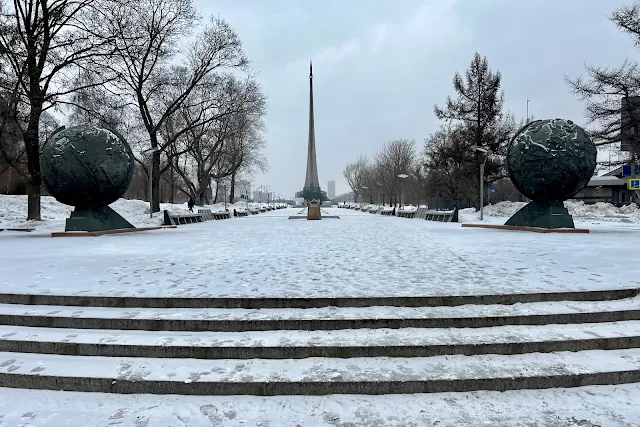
(380,65)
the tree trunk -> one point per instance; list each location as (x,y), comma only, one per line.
(215,196)
(232,191)
(32,146)
(155,185)
(172,185)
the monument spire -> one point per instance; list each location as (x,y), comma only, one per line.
(311,182)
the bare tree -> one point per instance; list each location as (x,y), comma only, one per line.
(218,148)
(609,93)
(151,35)
(42,43)
(396,157)
(354,173)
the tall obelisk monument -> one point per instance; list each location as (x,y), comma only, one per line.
(312,190)
(311,180)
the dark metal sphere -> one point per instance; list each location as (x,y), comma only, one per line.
(551,159)
(86,166)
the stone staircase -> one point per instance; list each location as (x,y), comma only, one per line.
(319,346)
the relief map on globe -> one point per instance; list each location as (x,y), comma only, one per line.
(551,159)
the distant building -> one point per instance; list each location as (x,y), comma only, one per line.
(263,196)
(608,188)
(242,190)
(331,190)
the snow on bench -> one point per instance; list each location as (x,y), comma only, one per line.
(436,215)
(210,216)
(180,219)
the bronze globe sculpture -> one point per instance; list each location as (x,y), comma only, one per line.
(549,161)
(88,167)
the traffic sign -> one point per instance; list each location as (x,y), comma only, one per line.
(634,184)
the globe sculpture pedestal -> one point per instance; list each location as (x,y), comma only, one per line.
(549,161)
(96,219)
(550,214)
(88,167)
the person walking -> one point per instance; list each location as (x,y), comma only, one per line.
(191,204)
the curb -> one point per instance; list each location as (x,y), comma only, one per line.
(253,303)
(302,352)
(194,325)
(313,388)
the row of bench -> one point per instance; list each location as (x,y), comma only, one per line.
(171,218)
(420,213)
(207,215)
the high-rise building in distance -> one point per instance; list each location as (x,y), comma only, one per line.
(331,189)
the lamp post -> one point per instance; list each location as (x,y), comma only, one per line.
(266,189)
(527,111)
(486,155)
(149,152)
(402,176)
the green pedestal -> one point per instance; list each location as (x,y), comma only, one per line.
(542,215)
(96,219)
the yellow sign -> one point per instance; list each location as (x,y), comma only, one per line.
(633,184)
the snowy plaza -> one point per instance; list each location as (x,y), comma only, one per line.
(421,355)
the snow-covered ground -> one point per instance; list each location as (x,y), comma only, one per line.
(359,255)
(13,212)
(585,214)
(596,406)
(267,255)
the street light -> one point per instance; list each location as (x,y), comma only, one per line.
(379,184)
(486,155)
(149,152)
(402,176)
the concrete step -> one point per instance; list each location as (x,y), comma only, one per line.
(319,376)
(329,318)
(409,342)
(252,303)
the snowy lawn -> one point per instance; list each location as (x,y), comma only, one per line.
(360,254)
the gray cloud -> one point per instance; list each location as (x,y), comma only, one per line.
(380,65)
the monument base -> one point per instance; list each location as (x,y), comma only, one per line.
(551,214)
(313,212)
(96,219)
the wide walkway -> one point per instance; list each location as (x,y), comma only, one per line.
(358,255)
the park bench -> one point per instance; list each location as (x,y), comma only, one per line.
(254,211)
(406,214)
(386,212)
(179,219)
(437,215)
(207,215)
(442,216)
(210,216)
(240,213)
(221,215)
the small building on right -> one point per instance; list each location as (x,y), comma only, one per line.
(608,188)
